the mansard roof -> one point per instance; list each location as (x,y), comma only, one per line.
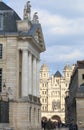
(57,74)
(9,18)
(3,6)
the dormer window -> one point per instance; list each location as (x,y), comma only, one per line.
(1,22)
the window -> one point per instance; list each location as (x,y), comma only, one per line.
(43,100)
(42,92)
(34,115)
(45,108)
(67,74)
(1,22)
(43,85)
(82,76)
(0,80)
(0,51)
(38,114)
(30,114)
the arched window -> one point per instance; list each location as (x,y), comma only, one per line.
(30,114)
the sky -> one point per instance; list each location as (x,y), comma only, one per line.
(62,24)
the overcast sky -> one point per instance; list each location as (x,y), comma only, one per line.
(62,23)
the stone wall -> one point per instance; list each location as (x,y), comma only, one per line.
(80,110)
(24,115)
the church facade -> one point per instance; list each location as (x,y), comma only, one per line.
(21,42)
(53,90)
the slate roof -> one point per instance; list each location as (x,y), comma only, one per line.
(9,18)
(57,74)
(32,30)
(3,6)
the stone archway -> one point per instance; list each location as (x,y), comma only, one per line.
(44,118)
(56,118)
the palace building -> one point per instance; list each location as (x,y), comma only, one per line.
(21,42)
(53,90)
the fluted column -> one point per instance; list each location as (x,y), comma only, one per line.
(34,76)
(24,73)
(30,73)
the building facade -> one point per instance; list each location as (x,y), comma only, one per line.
(53,91)
(75,98)
(21,42)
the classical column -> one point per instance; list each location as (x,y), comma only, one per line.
(34,76)
(30,73)
(24,73)
(38,79)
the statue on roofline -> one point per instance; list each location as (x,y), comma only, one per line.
(27,11)
(35,18)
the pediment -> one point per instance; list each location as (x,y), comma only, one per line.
(38,36)
(35,32)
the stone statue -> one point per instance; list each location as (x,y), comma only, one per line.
(27,11)
(35,18)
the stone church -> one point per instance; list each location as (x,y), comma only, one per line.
(21,42)
(53,90)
